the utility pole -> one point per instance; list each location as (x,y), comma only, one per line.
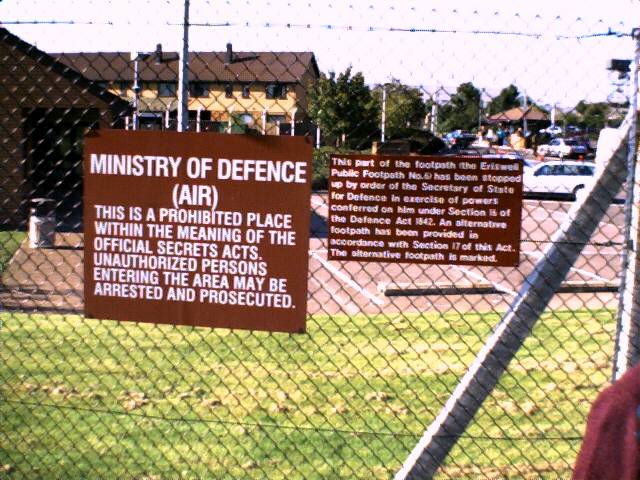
(183,75)
(434,112)
(524,116)
(384,113)
(480,105)
(136,91)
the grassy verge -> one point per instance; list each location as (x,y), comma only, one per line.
(9,243)
(84,398)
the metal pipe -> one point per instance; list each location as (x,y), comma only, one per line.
(525,128)
(517,323)
(626,348)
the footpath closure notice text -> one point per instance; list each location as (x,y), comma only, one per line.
(197,229)
(425,209)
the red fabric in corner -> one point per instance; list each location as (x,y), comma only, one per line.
(610,447)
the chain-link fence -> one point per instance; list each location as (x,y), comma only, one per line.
(386,344)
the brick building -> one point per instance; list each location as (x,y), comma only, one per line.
(45,107)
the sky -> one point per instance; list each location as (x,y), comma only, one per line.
(555,51)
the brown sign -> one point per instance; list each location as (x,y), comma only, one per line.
(197,229)
(419,209)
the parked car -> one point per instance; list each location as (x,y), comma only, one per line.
(586,143)
(489,152)
(459,139)
(558,177)
(562,147)
(509,155)
(553,130)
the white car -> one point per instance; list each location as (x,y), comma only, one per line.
(558,177)
(552,130)
(562,147)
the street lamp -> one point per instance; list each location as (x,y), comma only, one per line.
(230,118)
(383,119)
(136,57)
(434,111)
(525,108)
(264,121)
(293,121)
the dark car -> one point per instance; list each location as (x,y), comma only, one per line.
(459,139)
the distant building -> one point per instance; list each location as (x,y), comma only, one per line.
(228,91)
(515,117)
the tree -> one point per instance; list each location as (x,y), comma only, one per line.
(405,108)
(462,110)
(593,116)
(507,98)
(344,109)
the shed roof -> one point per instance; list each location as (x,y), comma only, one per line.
(518,113)
(52,64)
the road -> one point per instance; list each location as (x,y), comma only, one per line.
(349,287)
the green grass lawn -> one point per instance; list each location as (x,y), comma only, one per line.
(9,243)
(84,398)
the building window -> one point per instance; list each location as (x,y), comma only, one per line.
(228,90)
(199,89)
(276,118)
(276,90)
(167,89)
(246,91)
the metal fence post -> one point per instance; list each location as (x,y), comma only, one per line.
(516,325)
(183,74)
(627,347)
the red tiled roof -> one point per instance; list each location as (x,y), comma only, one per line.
(286,67)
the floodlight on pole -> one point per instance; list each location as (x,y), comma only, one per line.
(136,57)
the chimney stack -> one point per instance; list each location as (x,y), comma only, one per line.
(158,54)
(228,56)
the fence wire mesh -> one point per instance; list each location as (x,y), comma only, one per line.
(386,343)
